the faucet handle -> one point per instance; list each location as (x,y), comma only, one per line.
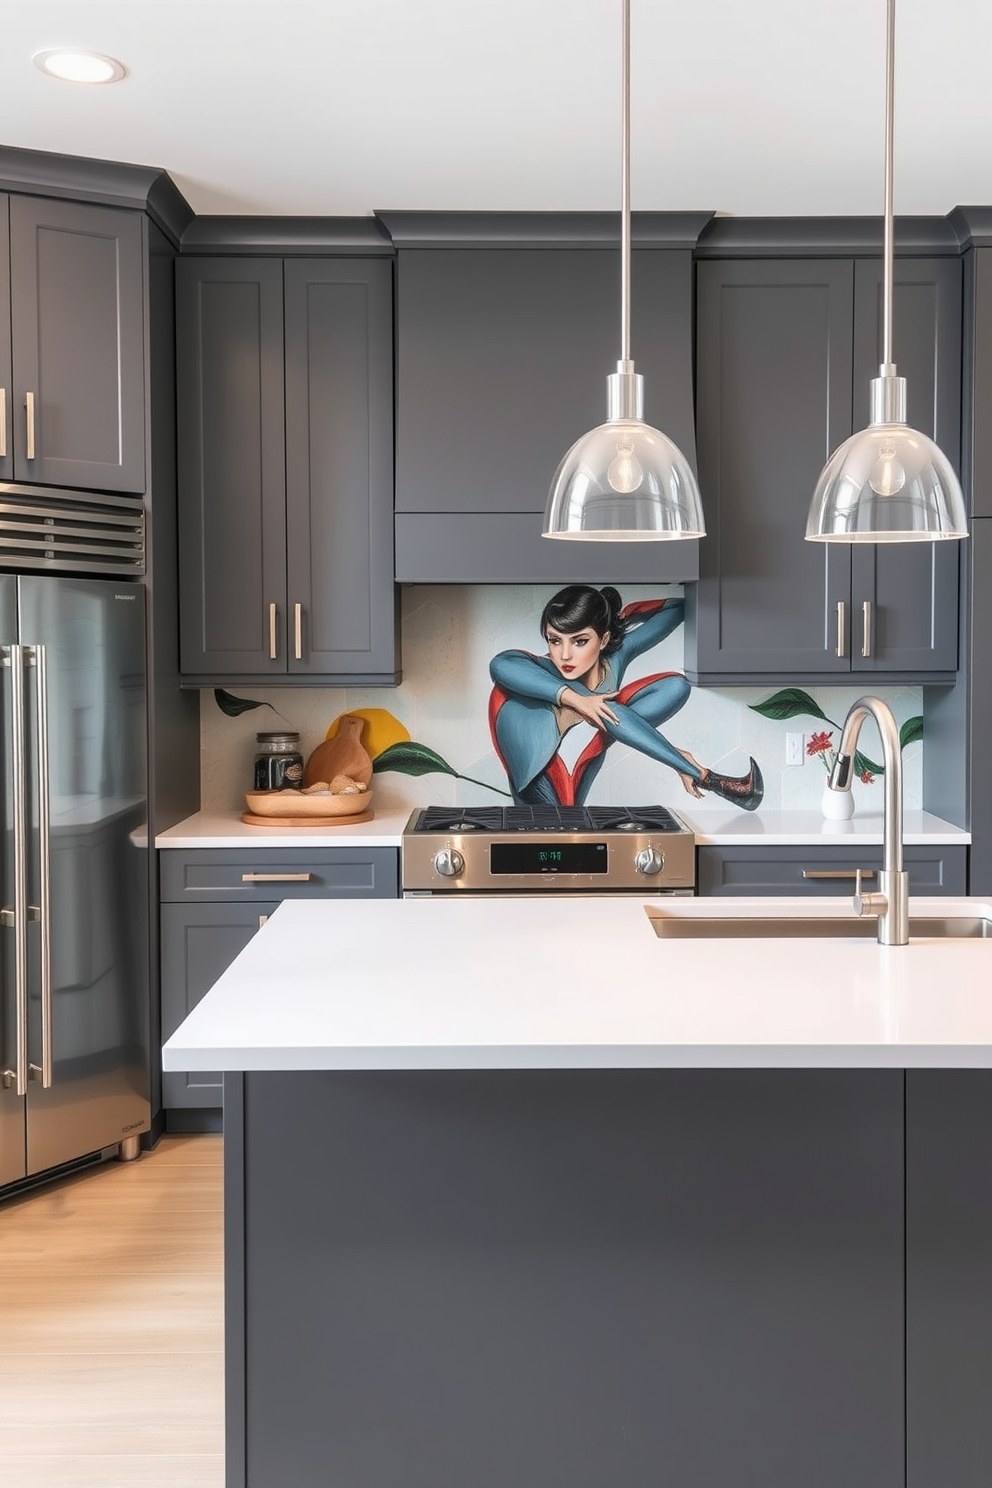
(862,902)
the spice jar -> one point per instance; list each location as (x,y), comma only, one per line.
(278,763)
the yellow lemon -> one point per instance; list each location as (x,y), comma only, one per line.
(380,731)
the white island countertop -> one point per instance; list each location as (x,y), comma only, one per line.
(581,984)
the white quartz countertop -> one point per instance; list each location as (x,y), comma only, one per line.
(226,829)
(765,828)
(584,983)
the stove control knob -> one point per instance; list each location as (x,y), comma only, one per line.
(649,860)
(449,862)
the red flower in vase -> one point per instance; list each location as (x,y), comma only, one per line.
(818,743)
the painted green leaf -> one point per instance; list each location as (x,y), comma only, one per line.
(863,763)
(411,759)
(789,703)
(233,706)
(911,732)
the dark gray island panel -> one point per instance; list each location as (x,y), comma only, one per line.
(949,1278)
(568,1277)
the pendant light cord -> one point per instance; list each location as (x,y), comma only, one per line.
(887,368)
(625,196)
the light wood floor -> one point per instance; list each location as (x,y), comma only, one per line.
(111,1325)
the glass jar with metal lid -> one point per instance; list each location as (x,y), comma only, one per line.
(278,763)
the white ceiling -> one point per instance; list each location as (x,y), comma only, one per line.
(344,106)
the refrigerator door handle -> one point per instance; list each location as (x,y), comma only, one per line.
(15,917)
(43,912)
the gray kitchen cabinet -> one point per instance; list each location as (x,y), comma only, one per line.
(948,1278)
(199,942)
(213,902)
(507,327)
(286,554)
(6,360)
(823,871)
(72,348)
(786,349)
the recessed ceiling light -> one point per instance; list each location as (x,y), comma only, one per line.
(73,66)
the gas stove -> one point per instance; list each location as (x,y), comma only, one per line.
(547,849)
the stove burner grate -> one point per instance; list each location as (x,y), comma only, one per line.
(548,818)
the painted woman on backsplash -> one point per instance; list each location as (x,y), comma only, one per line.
(592,639)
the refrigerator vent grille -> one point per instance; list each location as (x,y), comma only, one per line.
(71,532)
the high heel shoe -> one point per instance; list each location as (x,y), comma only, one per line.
(745,791)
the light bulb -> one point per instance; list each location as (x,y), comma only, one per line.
(887,476)
(625,473)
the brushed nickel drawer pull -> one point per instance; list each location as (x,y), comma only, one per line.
(838,872)
(299,631)
(272,632)
(841,629)
(276,877)
(29,407)
(3,423)
(866,628)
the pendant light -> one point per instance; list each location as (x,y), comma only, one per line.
(889,483)
(624,481)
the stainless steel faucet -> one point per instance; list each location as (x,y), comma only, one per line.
(891,903)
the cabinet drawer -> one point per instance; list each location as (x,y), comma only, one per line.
(802,870)
(234,875)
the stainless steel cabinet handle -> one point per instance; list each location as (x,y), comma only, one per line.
(841,629)
(29,406)
(276,877)
(866,628)
(262,920)
(20,815)
(3,423)
(40,658)
(298,613)
(272,632)
(838,872)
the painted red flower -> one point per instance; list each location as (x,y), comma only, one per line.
(867,778)
(818,743)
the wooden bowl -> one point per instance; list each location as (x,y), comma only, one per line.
(313,804)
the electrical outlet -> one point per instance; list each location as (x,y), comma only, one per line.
(795,752)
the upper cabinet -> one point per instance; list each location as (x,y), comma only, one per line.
(507,327)
(786,349)
(72,358)
(285,470)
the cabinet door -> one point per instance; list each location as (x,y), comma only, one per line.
(339,468)
(502,360)
(910,589)
(199,942)
(232,480)
(78,338)
(6,369)
(774,347)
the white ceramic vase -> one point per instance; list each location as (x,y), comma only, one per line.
(837,805)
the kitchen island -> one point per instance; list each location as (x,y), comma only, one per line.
(521,1193)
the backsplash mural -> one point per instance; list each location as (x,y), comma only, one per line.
(443,727)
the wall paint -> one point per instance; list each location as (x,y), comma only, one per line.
(449,635)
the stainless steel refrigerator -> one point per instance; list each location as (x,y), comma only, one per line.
(74,972)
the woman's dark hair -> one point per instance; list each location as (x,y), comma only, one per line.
(581,607)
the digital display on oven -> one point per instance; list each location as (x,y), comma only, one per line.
(548,857)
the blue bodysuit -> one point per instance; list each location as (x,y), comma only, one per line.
(528,721)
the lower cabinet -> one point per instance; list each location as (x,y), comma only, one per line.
(213,902)
(823,871)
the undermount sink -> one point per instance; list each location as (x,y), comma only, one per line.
(811,927)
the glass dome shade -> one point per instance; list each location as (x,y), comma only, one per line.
(888,483)
(624,480)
